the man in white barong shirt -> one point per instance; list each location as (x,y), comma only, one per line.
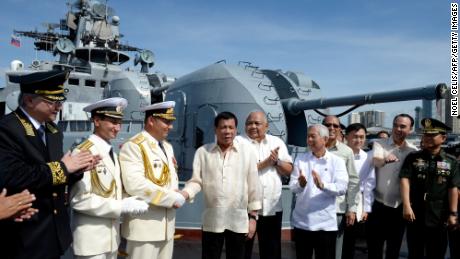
(385,225)
(226,171)
(273,162)
(318,178)
(355,135)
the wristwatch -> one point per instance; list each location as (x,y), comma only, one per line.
(453,213)
(254,217)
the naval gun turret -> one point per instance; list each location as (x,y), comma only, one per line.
(290,100)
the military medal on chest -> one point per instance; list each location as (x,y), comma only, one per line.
(443,171)
(420,164)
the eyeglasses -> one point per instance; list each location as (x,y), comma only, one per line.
(56,103)
(332,124)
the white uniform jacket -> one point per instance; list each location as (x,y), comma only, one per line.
(150,174)
(96,201)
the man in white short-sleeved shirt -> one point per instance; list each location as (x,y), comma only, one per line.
(273,161)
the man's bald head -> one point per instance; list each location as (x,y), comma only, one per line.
(256,125)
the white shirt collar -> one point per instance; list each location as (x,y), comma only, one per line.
(150,137)
(101,144)
(31,119)
(405,143)
(360,154)
(235,146)
(264,141)
(325,157)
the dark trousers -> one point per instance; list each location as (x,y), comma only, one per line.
(212,244)
(341,224)
(421,239)
(269,236)
(349,239)
(321,242)
(454,244)
(385,224)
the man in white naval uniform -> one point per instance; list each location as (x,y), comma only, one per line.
(148,171)
(96,199)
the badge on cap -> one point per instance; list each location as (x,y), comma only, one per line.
(111,107)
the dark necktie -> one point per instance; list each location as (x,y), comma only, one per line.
(41,134)
(162,148)
(111,155)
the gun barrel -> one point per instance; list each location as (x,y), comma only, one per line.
(430,92)
(158,90)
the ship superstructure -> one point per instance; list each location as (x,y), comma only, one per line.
(89,44)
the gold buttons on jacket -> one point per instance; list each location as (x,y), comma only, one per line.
(55,195)
(55,212)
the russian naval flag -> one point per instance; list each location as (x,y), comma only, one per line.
(15,41)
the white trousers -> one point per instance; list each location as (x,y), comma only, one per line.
(109,255)
(150,250)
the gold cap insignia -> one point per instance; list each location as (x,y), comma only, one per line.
(427,123)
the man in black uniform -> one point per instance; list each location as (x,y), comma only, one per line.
(429,182)
(31,158)
(454,236)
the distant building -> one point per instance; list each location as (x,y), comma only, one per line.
(441,110)
(354,117)
(372,118)
(368,118)
(427,109)
(418,112)
(435,109)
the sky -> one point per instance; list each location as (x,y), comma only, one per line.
(347,47)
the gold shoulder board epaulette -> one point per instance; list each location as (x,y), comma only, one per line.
(51,128)
(138,139)
(27,126)
(85,145)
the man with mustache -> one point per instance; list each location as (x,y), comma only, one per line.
(346,204)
